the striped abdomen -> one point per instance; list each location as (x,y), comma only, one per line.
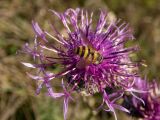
(89,54)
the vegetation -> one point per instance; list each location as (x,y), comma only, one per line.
(17,91)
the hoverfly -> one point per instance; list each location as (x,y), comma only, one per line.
(87,52)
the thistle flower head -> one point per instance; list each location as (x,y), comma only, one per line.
(150,110)
(92,59)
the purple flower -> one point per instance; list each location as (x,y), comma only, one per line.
(150,110)
(91,59)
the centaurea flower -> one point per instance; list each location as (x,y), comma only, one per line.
(92,59)
(150,110)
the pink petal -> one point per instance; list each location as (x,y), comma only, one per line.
(28,65)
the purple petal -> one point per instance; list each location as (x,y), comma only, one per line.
(28,65)
(38,30)
(55,95)
(65,107)
(138,98)
(120,108)
(35,77)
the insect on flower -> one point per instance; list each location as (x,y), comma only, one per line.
(89,53)
(90,59)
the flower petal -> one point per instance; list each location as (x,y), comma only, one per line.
(120,108)
(65,107)
(28,65)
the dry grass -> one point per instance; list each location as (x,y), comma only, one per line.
(17,99)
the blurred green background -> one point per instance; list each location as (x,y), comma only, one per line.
(17,91)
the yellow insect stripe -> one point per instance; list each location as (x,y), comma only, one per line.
(80,50)
(85,52)
(89,54)
(95,56)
